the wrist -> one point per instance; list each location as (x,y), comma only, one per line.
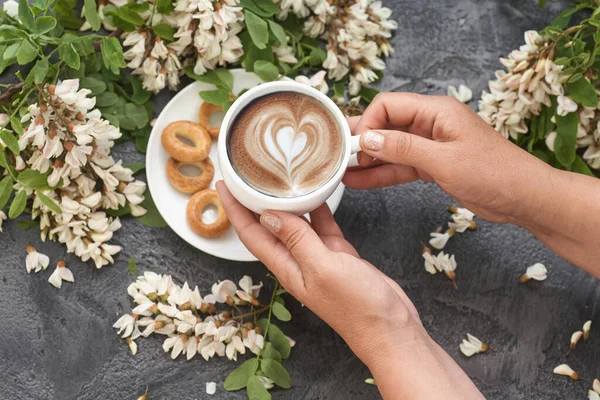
(538,200)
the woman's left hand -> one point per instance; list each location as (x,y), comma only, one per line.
(369,310)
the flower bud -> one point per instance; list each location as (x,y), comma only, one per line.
(258,330)
(586,330)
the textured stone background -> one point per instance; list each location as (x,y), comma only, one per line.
(60,344)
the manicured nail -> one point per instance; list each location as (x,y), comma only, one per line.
(372,140)
(271,222)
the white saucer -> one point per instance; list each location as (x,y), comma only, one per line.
(171,203)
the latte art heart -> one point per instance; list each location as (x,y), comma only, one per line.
(285,144)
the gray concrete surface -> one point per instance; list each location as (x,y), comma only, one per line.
(60,344)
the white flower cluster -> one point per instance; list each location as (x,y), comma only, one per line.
(191,323)
(71,143)
(356,33)
(206,36)
(594,392)
(517,95)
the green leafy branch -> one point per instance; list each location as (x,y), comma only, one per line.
(269,362)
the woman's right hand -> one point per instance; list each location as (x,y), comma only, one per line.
(439,139)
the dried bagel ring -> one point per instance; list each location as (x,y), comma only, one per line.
(181,151)
(190,184)
(196,206)
(206,110)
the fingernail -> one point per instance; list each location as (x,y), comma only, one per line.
(271,222)
(372,140)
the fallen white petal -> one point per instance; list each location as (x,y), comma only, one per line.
(211,388)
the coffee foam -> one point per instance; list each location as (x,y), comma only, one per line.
(285,144)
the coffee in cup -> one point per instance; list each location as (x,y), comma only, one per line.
(285,144)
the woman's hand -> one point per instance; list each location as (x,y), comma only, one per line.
(369,310)
(440,139)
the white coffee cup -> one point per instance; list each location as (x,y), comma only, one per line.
(257,201)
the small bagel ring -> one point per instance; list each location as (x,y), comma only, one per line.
(190,184)
(206,110)
(181,151)
(197,204)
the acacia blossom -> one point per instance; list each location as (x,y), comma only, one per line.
(67,141)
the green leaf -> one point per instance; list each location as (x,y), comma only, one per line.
(41,70)
(70,56)
(6,189)
(276,372)
(26,224)
(164,31)
(132,266)
(270,352)
(33,179)
(95,85)
(339,89)
(583,92)
(91,14)
(563,19)
(254,54)
(16,125)
(258,10)
(152,218)
(27,53)
(564,145)
(44,24)
(18,205)
(317,56)
(112,54)
(141,141)
(41,4)
(266,71)
(238,378)
(542,3)
(140,95)
(226,105)
(48,202)
(278,32)
(10,141)
(135,167)
(164,6)
(220,77)
(11,51)
(281,312)
(217,97)
(129,15)
(581,167)
(26,15)
(256,390)
(276,337)
(368,93)
(106,99)
(135,116)
(257,27)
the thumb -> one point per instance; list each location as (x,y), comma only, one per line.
(400,147)
(297,235)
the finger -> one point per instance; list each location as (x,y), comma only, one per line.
(395,109)
(353,123)
(298,237)
(323,222)
(260,241)
(379,177)
(404,148)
